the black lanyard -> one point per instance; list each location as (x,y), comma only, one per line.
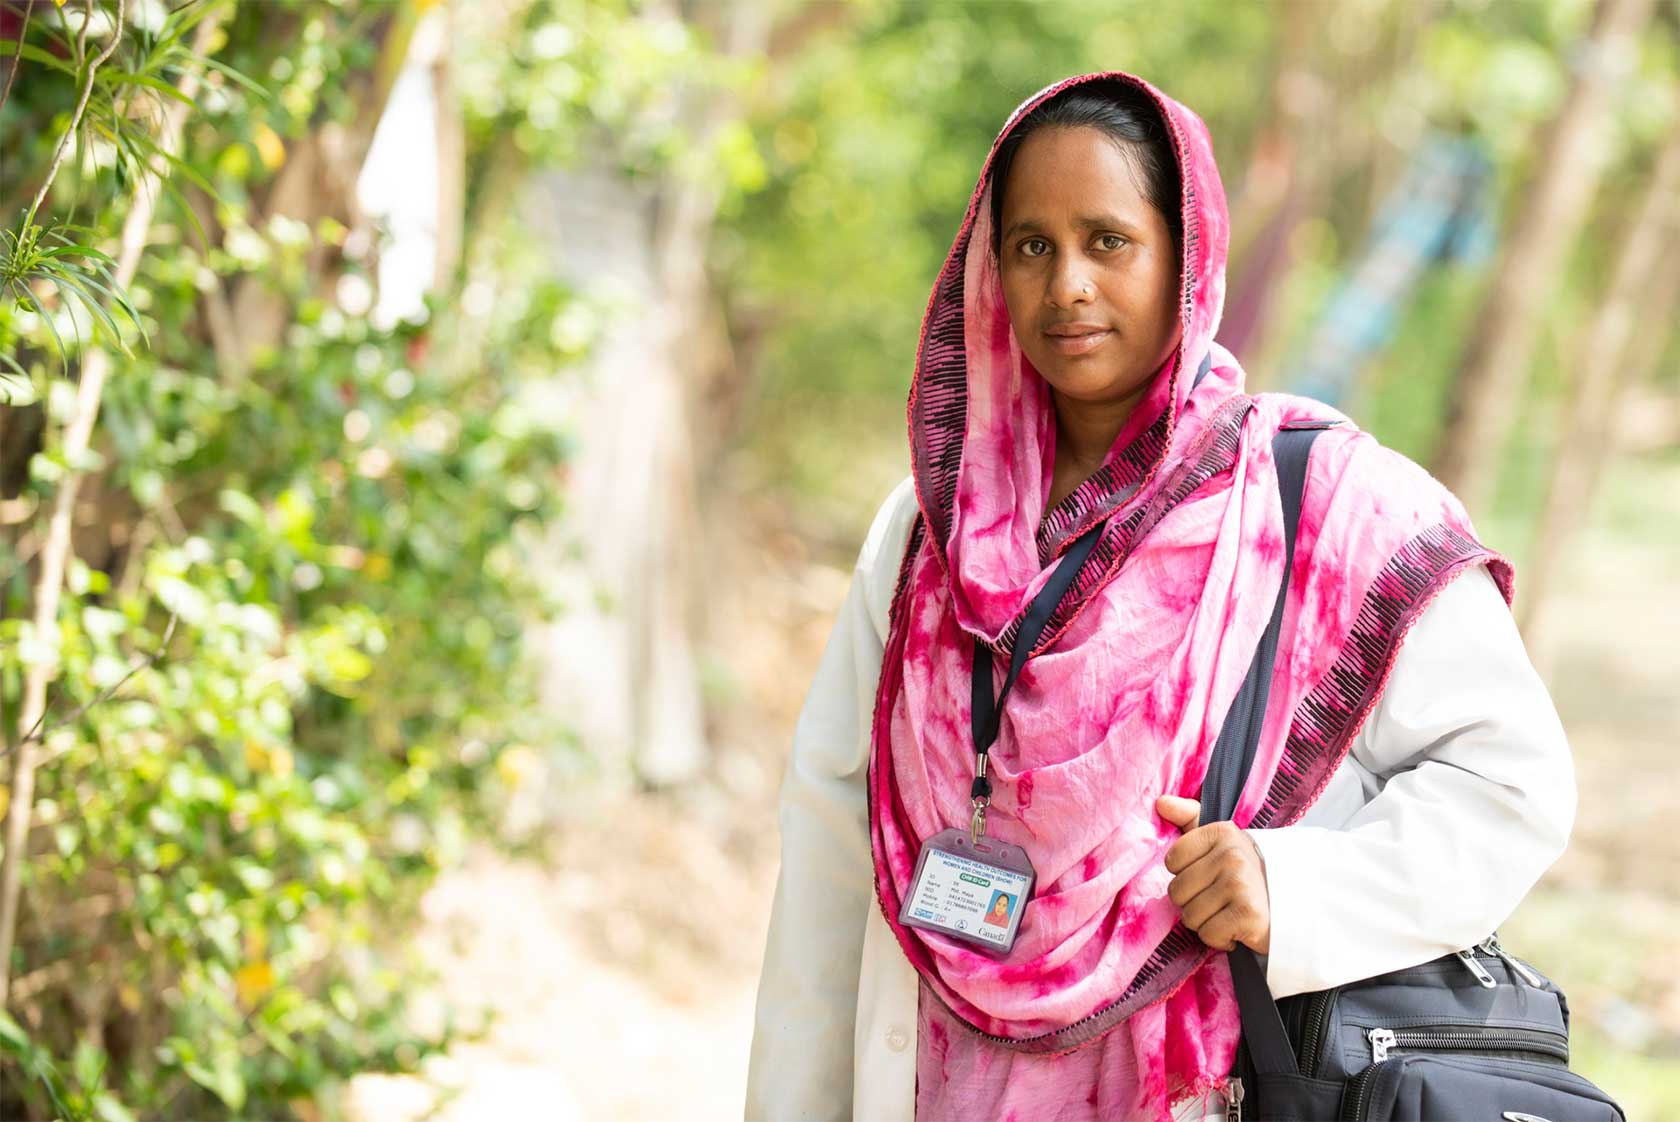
(987,710)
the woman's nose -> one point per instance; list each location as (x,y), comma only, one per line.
(1069,285)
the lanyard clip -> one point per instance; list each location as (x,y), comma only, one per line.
(977,824)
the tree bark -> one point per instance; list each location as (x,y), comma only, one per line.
(1600,374)
(319,179)
(1569,163)
(452,173)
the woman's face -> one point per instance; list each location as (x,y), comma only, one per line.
(1090,274)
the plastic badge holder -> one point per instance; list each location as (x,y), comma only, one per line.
(971,890)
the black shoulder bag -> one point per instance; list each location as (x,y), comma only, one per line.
(1473,1035)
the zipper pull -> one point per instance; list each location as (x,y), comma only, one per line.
(1477,969)
(1233,1105)
(1381,1041)
(1491,946)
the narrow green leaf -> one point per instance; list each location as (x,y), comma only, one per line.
(174,161)
(186,208)
(35,54)
(118,298)
(52,329)
(76,250)
(97,308)
(64,299)
(151,83)
(235,76)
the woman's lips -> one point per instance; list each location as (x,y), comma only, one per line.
(1078,344)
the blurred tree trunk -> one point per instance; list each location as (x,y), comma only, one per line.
(452,171)
(1633,427)
(1315,135)
(621,663)
(1555,205)
(319,181)
(1601,374)
(1281,186)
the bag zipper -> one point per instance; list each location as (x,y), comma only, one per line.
(1468,957)
(1316,1021)
(1490,945)
(1467,1039)
(1234,1098)
(1358,1095)
(1361,1091)
(1312,1031)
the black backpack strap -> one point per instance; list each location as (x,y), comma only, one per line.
(1233,755)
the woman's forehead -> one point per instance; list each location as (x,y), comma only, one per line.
(1080,173)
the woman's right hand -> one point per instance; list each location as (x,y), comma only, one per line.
(1219,879)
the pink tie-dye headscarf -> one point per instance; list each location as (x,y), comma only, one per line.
(1134,674)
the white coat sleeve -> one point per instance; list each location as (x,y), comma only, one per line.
(801,1060)
(1478,802)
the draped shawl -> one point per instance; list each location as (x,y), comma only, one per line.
(1132,677)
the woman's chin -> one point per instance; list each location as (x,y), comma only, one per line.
(1088,383)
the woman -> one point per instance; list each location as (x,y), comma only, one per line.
(1412,780)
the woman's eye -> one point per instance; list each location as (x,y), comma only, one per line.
(1034,247)
(1111,241)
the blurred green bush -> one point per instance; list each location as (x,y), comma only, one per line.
(300,574)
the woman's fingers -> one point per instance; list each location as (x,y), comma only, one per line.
(1204,905)
(1219,886)
(1181,812)
(1192,881)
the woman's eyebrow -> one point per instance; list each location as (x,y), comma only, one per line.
(1083,222)
(1023,226)
(1101,221)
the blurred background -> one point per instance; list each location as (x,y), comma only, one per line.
(436,437)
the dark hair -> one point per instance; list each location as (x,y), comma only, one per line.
(1126,114)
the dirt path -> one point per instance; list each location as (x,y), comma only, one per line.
(623,973)
(576,1038)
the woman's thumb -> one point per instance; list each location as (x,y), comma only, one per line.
(1181,812)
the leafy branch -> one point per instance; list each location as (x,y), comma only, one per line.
(39,735)
(78,433)
(35,256)
(37,259)
(81,103)
(79,273)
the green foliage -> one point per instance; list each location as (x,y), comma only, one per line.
(287,672)
(875,139)
(325,731)
(126,81)
(574,70)
(602,81)
(872,155)
(79,274)
(34,1063)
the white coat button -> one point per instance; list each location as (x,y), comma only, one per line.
(897,1039)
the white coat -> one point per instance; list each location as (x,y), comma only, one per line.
(1456,795)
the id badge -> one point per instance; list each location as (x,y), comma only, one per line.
(970,890)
